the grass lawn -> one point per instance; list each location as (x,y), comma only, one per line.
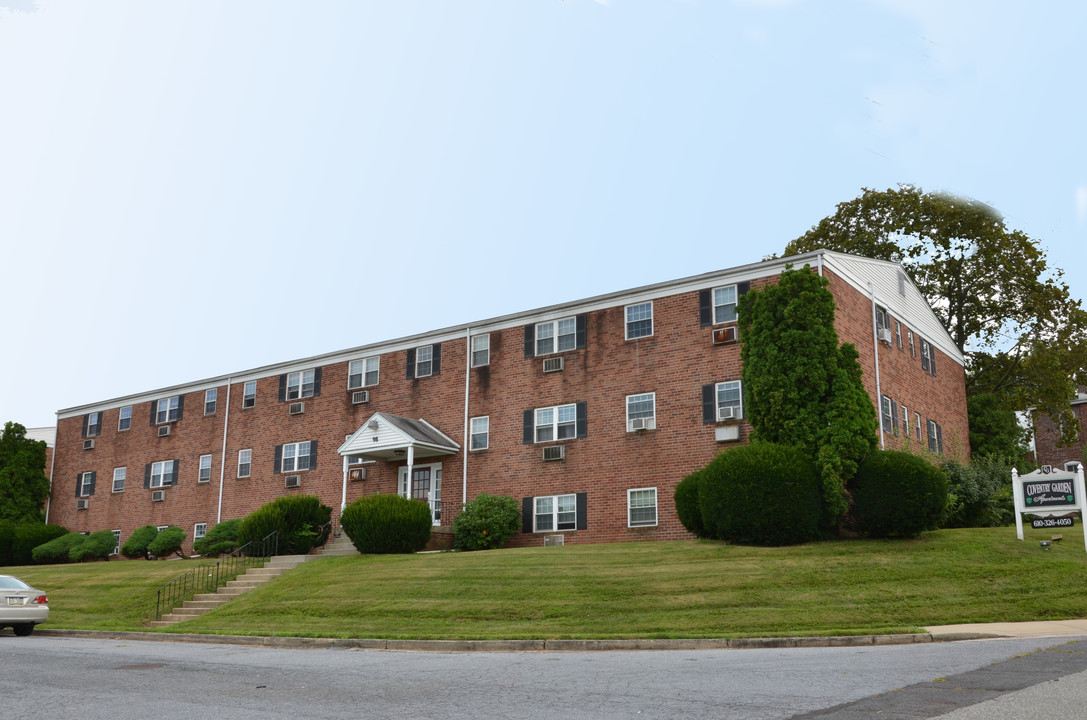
(680,589)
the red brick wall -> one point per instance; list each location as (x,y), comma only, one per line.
(1047,440)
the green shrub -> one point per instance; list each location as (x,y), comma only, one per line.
(387,524)
(761,494)
(96,546)
(486,522)
(897,494)
(136,545)
(29,536)
(687,507)
(57,550)
(300,520)
(220,540)
(979,494)
(261,523)
(167,542)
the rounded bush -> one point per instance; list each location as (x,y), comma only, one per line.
(29,536)
(136,544)
(300,520)
(221,539)
(57,550)
(687,507)
(96,546)
(486,522)
(167,542)
(897,494)
(387,524)
(761,494)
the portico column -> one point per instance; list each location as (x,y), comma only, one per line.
(411,461)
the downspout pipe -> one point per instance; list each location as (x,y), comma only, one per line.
(52,464)
(467,438)
(222,460)
(875,348)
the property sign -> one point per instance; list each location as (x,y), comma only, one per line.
(1052,522)
(1046,493)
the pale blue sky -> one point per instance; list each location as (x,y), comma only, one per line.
(189,189)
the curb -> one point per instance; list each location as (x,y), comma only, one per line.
(463,646)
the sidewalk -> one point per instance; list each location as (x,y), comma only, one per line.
(1042,628)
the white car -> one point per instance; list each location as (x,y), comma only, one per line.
(21,606)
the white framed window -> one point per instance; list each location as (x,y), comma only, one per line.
(205,469)
(729,395)
(296,457)
(481,350)
(124,418)
(424,361)
(211,397)
(167,409)
(300,384)
(883,321)
(119,476)
(643,409)
(116,542)
(245,462)
(556,423)
(909,336)
(556,336)
(885,409)
(928,357)
(724,304)
(906,421)
(935,437)
(898,334)
(642,507)
(917,419)
(160,528)
(481,429)
(86,485)
(199,530)
(363,372)
(94,425)
(162,473)
(249,394)
(555,512)
(639,320)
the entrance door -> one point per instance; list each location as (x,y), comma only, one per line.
(426,485)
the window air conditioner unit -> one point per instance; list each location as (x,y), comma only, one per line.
(293,481)
(164,430)
(552,364)
(357,474)
(158,495)
(297,408)
(641,424)
(360,397)
(884,334)
(553,540)
(80,504)
(88,444)
(554,452)
(722,336)
(726,413)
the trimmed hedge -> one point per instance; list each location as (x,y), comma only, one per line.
(897,494)
(136,545)
(57,550)
(96,546)
(687,507)
(220,540)
(381,524)
(301,521)
(486,522)
(29,536)
(761,494)
(167,542)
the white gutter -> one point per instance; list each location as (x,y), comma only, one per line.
(343,493)
(467,438)
(222,460)
(875,347)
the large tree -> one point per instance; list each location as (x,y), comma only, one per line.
(23,484)
(1024,337)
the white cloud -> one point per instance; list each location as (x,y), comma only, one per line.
(1081,204)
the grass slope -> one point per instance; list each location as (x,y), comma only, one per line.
(652,590)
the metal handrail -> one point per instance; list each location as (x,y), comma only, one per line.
(209,578)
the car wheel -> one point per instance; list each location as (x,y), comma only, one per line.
(24,629)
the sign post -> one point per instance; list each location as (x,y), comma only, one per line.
(1046,493)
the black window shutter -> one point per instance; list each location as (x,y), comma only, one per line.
(154,409)
(705,308)
(147,476)
(180,406)
(582,511)
(316,382)
(86,418)
(526,515)
(924,355)
(282,388)
(411,364)
(932,360)
(530,341)
(940,439)
(436,359)
(78,484)
(312,454)
(529,431)
(278,463)
(742,288)
(894,416)
(582,417)
(709,410)
(579,333)
(172,478)
(94,475)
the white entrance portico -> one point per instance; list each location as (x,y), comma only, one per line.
(396,439)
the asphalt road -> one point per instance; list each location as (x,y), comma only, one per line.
(119,679)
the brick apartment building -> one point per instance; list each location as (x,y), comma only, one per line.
(589,412)
(1047,436)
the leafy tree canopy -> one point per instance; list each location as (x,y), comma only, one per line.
(23,484)
(1024,337)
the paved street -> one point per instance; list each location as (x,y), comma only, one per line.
(118,679)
